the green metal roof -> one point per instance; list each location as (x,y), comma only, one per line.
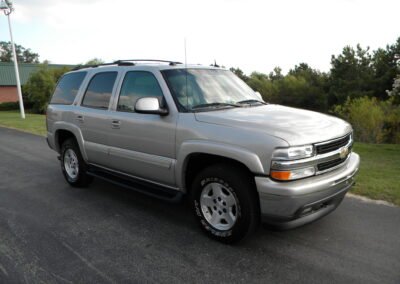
(7,73)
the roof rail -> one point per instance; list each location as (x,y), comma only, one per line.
(80,66)
(149,60)
(125,62)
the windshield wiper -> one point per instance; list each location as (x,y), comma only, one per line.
(251,102)
(215,105)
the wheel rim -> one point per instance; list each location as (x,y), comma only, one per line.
(71,163)
(219,206)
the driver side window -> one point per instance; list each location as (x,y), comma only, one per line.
(137,84)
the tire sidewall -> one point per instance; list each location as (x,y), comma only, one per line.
(204,223)
(70,144)
(238,188)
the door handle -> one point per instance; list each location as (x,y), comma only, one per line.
(79,118)
(115,123)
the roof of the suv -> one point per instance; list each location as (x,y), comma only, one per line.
(144,66)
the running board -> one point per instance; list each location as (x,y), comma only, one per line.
(147,188)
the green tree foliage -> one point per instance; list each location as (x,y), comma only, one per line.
(362,86)
(386,65)
(302,87)
(40,86)
(24,55)
(351,75)
(357,72)
(94,61)
(238,72)
(373,121)
(392,120)
(366,116)
(261,83)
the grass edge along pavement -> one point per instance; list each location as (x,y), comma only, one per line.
(33,123)
(377,178)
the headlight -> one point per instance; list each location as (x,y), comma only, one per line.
(289,154)
(293,153)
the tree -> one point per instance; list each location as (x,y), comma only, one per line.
(386,64)
(40,86)
(238,72)
(261,83)
(94,61)
(302,87)
(276,74)
(24,55)
(351,75)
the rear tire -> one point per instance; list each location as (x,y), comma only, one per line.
(73,166)
(225,203)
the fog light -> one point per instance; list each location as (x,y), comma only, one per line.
(293,174)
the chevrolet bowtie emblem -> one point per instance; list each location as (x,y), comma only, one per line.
(344,152)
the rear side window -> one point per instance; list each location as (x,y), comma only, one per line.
(99,91)
(137,84)
(67,88)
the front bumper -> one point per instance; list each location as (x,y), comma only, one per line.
(295,203)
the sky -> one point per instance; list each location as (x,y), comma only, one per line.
(250,34)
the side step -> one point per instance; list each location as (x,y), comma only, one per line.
(138,185)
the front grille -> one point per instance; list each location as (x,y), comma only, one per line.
(330,164)
(332,146)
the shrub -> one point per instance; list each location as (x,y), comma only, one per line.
(392,120)
(9,106)
(373,121)
(40,86)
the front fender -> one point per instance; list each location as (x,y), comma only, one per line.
(242,155)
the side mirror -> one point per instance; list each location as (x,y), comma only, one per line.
(150,105)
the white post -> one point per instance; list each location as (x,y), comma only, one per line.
(21,103)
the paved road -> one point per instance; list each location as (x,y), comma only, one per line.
(52,233)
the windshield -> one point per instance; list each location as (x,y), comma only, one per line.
(202,88)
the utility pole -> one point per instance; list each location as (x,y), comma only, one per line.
(7,8)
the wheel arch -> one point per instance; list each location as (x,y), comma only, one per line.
(196,155)
(65,131)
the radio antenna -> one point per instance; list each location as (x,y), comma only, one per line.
(185,53)
(186,83)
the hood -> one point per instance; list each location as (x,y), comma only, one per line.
(296,126)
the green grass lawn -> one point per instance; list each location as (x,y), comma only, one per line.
(34,123)
(379,175)
(378,178)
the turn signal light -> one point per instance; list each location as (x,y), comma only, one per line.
(280,175)
(293,174)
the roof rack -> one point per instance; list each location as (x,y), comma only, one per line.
(149,60)
(126,62)
(80,66)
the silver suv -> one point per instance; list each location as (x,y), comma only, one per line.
(169,130)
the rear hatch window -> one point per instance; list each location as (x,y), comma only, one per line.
(67,88)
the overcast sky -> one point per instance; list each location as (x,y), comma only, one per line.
(253,35)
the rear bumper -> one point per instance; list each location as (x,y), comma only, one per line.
(292,204)
(50,140)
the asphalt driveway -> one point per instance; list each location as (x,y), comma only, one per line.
(52,233)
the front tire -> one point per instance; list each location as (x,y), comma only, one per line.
(73,166)
(225,203)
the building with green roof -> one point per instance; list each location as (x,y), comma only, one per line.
(8,85)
